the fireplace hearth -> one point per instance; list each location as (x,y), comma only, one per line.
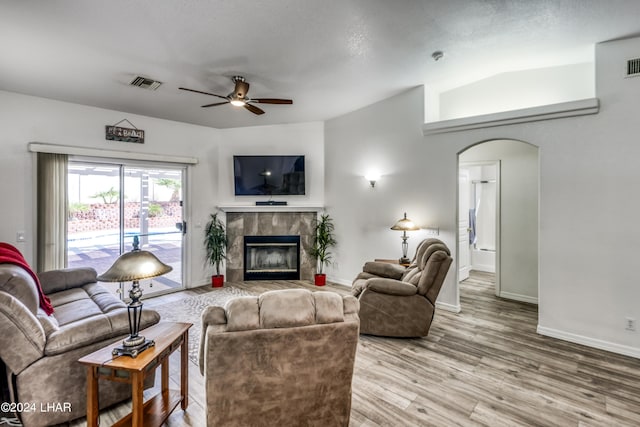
(271,257)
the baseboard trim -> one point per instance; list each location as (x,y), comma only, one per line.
(198,284)
(625,350)
(339,281)
(519,297)
(484,268)
(454,308)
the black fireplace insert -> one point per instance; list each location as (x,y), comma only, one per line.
(271,257)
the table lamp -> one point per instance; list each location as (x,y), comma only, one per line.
(404,224)
(135,266)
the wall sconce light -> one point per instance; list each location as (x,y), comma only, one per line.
(372,177)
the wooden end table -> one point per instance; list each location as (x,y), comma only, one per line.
(168,336)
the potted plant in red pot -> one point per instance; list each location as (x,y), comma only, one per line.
(215,241)
(323,240)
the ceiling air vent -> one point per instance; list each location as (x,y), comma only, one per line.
(633,67)
(145,83)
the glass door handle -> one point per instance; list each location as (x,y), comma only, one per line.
(182,226)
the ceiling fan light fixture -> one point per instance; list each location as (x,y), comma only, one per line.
(239,98)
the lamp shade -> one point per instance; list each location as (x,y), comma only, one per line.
(135,265)
(405,224)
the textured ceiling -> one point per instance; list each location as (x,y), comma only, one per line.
(329,56)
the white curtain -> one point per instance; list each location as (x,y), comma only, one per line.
(52,211)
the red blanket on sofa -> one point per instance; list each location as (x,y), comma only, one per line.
(11,255)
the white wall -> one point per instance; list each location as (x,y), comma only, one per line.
(518,214)
(25,119)
(303,138)
(518,89)
(386,137)
(588,205)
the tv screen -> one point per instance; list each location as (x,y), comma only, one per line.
(268,175)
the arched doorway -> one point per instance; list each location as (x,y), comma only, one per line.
(498,198)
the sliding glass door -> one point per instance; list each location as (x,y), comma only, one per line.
(111,203)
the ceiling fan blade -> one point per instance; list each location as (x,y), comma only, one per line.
(272,101)
(214,104)
(204,93)
(253,109)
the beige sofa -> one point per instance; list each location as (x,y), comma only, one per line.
(400,302)
(41,352)
(284,358)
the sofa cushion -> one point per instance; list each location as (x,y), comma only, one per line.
(287,308)
(329,307)
(280,309)
(88,300)
(242,314)
(60,280)
(48,323)
(88,314)
(73,311)
(412,276)
(78,334)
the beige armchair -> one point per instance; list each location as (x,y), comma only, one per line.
(284,358)
(400,302)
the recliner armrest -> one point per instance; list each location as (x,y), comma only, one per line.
(22,338)
(391,287)
(384,269)
(214,318)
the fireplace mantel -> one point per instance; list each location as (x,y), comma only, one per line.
(271,208)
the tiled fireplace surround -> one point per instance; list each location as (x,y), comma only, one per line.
(240,224)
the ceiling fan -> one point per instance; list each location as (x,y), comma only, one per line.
(239,97)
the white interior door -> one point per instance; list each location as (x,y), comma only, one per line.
(464,256)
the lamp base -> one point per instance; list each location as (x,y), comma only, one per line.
(134,350)
(404,261)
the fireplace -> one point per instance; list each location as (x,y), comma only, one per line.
(253,222)
(271,257)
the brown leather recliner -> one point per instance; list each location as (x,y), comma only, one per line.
(400,302)
(283,358)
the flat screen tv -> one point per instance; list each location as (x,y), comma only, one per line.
(269,175)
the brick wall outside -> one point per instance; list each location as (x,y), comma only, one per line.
(102,216)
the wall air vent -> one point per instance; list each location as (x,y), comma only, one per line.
(633,67)
(145,83)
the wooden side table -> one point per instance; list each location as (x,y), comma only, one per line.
(169,336)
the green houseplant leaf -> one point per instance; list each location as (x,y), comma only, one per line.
(215,242)
(323,240)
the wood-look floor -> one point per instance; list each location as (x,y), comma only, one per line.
(484,366)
